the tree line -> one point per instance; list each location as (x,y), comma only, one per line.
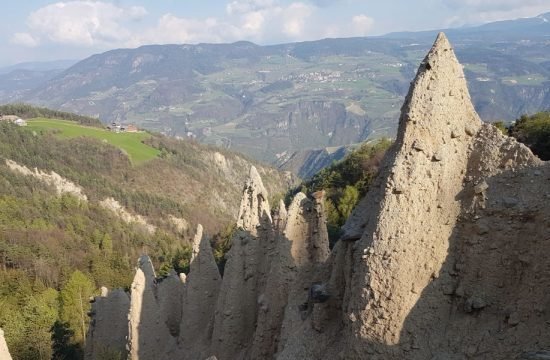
(27,111)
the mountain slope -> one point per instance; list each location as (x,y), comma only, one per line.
(74,211)
(270,101)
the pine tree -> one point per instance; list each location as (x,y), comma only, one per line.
(348,201)
(107,245)
(74,304)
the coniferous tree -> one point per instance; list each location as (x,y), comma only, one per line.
(74,304)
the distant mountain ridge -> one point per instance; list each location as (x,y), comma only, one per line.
(532,27)
(272,101)
(40,65)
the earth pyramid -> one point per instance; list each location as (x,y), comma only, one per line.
(444,258)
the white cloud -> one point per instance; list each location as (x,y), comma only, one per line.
(494,5)
(100,24)
(171,29)
(294,19)
(137,12)
(246,6)
(256,20)
(362,24)
(85,23)
(253,22)
(483,11)
(24,39)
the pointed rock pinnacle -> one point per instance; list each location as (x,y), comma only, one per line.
(254,208)
(200,297)
(197,242)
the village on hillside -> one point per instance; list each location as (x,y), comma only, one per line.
(117,127)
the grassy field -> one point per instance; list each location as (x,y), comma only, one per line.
(131,143)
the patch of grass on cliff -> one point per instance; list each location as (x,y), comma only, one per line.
(131,143)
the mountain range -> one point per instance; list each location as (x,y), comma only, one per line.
(278,103)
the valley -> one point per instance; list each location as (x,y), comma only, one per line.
(270,102)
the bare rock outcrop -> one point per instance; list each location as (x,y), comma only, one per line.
(445,258)
(59,183)
(420,288)
(254,210)
(148,335)
(199,300)
(416,196)
(4,352)
(109,325)
(238,301)
(114,206)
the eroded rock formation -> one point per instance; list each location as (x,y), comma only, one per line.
(4,352)
(445,258)
(109,328)
(199,300)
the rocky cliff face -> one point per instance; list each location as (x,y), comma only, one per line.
(443,259)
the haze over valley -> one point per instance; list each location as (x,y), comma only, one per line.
(278,103)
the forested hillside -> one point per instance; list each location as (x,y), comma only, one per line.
(26,111)
(59,246)
(345,182)
(534,131)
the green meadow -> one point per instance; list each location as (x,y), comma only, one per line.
(131,143)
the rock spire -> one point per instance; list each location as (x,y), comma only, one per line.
(199,299)
(148,335)
(444,258)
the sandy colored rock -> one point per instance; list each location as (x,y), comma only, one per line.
(59,183)
(114,206)
(235,316)
(407,232)
(148,335)
(445,258)
(169,297)
(109,325)
(199,300)
(274,289)
(282,215)
(307,233)
(4,352)
(254,210)
(238,301)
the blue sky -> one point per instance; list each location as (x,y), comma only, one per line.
(41,30)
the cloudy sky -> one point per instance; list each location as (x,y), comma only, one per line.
(38,30)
